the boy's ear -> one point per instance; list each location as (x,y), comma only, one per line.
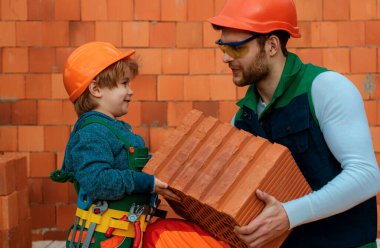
(94,89)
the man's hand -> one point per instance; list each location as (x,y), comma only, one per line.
(162,188)
(269,224)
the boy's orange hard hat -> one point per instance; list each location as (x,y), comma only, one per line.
(259,16)
(86,62)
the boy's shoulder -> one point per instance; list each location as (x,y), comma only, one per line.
(95,124)
(94,132)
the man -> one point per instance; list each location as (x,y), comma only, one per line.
(318,114)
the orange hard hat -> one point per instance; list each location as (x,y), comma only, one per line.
(259,16)
(86,62)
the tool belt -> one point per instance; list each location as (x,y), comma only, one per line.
(110,219)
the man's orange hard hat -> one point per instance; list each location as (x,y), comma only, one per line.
(86,62)
(259,16)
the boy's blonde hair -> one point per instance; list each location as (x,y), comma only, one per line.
(107,78)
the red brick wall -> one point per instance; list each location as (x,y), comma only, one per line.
(181,70)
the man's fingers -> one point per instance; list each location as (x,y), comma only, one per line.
(255,239)
(269,224)
(259,242)
(265,197)
(247,236)
(160,184)
(245,230)
(171,196)
(241,230)
(168,194)
(161,188)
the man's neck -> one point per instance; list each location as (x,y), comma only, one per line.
(267,86)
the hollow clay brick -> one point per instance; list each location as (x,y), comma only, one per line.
(209,108)
(67,10)
(10,238)
(5,113)
(216,169)
(7,176)
(120,10)
(43,215)
(41,164)
(173,10)
(24,112)
(9,211)
(14,10)
(170,88)
(40,10)
(25,237)
(35,190)
(177,110)
(65,215)
(21,171)
(23,205)
(8,138)
(336,10)
(109,32)
(175,61)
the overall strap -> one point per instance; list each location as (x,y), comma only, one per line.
(111,128)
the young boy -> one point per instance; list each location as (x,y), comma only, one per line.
(103,156)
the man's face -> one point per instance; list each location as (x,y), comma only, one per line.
(248,62)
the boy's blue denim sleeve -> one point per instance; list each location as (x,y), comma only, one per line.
(141,185)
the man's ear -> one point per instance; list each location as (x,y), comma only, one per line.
(94,89)
(274,45)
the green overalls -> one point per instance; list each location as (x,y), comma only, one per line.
(137,159)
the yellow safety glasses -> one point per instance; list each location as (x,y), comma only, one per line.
(236,49)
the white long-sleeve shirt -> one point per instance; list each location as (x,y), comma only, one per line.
(341,116)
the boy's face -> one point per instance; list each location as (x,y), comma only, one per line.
(114,102)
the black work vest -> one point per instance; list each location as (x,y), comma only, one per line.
(292,123)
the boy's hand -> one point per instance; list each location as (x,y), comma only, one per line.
(162,188)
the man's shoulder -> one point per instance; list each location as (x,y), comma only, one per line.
(331,80)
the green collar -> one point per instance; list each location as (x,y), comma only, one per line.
(292,66)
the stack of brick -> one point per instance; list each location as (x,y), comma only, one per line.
(216,169)
(15,218)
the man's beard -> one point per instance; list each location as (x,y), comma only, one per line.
(257,71)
